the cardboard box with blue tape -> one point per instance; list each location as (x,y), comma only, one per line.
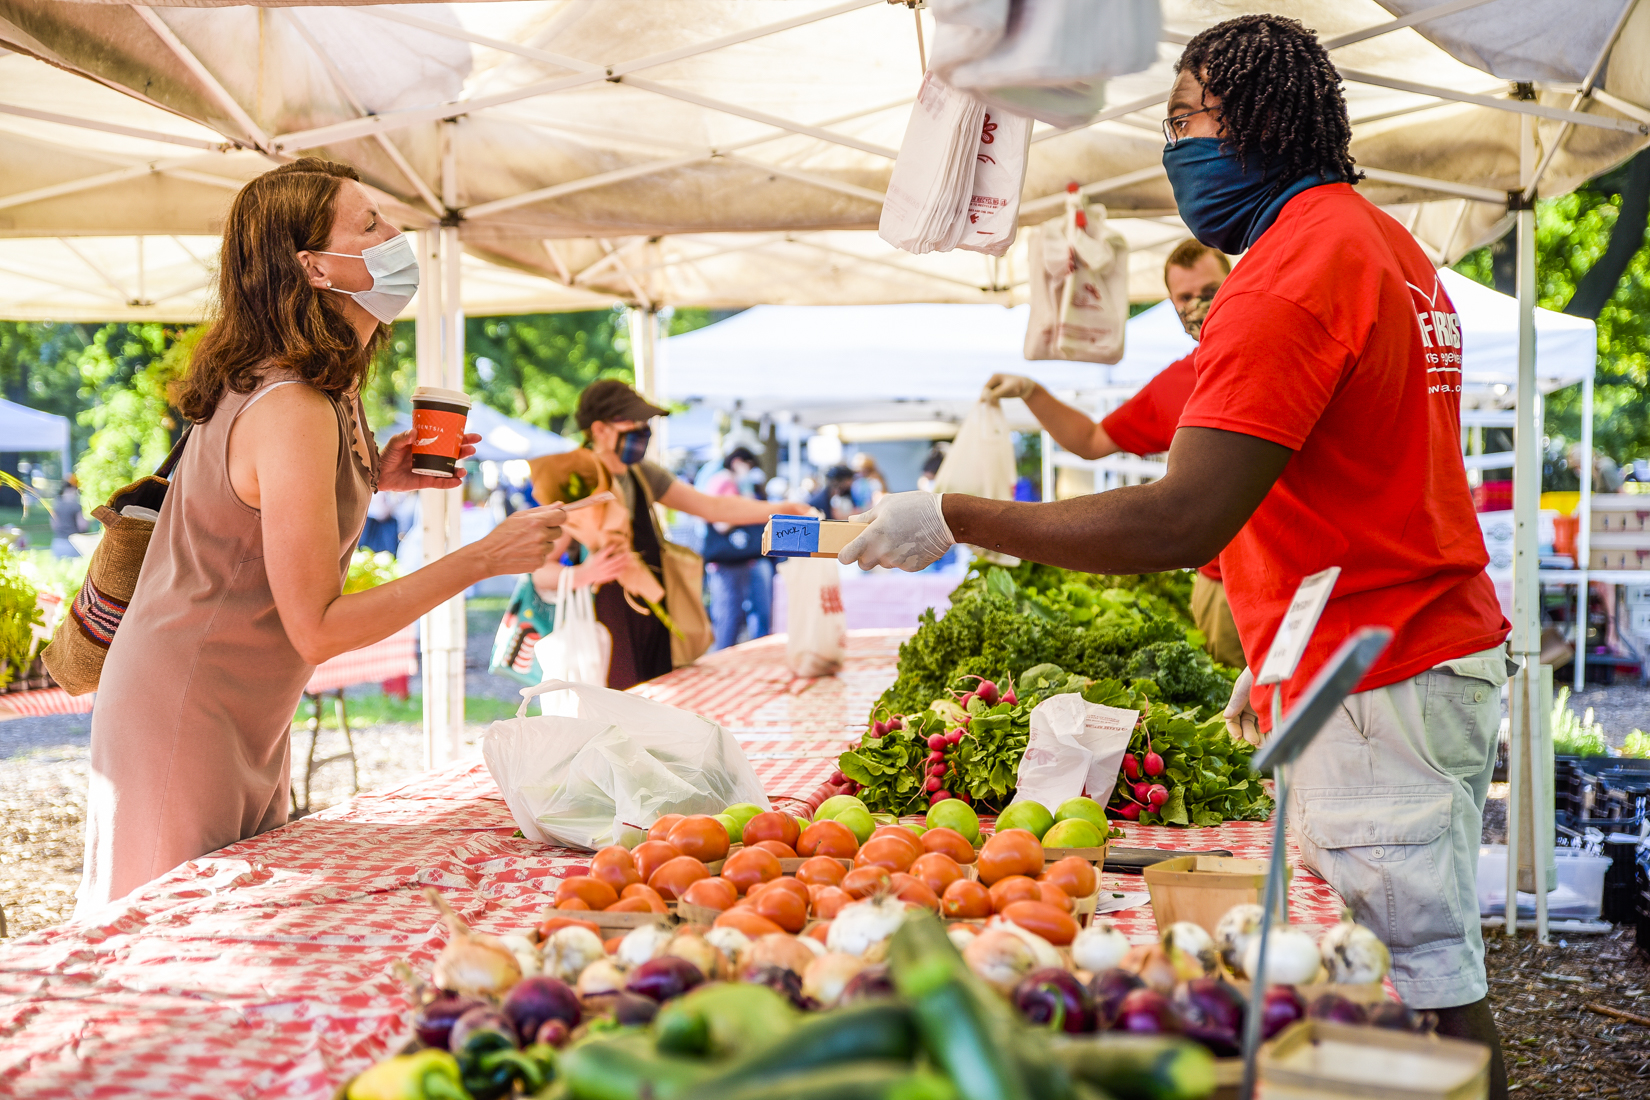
(807,536)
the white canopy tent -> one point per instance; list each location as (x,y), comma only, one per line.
(24,430)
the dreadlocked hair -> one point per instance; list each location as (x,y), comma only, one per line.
(1280,98)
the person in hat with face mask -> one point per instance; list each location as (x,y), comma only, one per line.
(1324,430)
(241,591)
(1145,423)
(614,419)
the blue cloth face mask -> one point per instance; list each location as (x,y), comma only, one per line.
(394,269)
(1225,205)
(633,445)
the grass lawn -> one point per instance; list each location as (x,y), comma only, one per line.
(378,709)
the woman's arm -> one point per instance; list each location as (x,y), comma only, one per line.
(738,511)
(1071,428)
(283,455)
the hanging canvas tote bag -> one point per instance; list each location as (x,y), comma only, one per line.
(81,642)
(684,580)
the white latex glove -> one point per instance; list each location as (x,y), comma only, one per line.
(1241,720)
(1000,387)
(907,532)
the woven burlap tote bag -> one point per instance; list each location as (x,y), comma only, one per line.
(81,641)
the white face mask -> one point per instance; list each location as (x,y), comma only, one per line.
(394,269)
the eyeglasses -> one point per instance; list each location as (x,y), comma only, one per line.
(1175,124)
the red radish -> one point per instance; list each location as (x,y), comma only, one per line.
(876,734)
(940,795)
(1131,766)
(1131,812)
(936,740)
(988,692)
(967,718)
(953,737)
(1010,698)
(962,796)
(836,777)
(966,698)
(936,756)
(1154,764)
(933,784)
(936,769)
(1142,791)
(1158,795)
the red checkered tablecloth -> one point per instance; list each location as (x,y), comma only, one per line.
(263,969)
(395,656)
(41,701)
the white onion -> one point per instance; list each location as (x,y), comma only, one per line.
(1191,950)
(828,975)
(999,958)
(526,953)
(1099,947)
(1236,928)
(814,945)
(1291,957)
(863,924)
(696,950)
(642,943)
(601,977)
(1353,954)
(777,949)
(472,963)
(961,935)
(570,949)
(731,942)
(1045,953)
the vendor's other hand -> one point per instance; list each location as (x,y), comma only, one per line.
(604,565)
(522,542)
(1241,720)
(1000,387)
(907,531)
(395,472)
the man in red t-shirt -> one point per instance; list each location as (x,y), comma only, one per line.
(1323,431)
(1145,423)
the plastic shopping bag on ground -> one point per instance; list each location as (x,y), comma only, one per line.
(1079,287)
(816,626)
(578,648)
(614,765)
(1075,747)
(1053,57)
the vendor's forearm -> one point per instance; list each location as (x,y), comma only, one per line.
(1215,482)
(1072,428)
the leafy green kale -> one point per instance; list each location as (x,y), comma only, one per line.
(1183,674)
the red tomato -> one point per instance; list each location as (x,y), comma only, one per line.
(1054,896)
(615,866)
(887,852)
(652,855)
(786,883)
(782,907)
(819,931)
(1054,925)
(711,893)
(660,829)
(574,903)
(655,903)
(900,833)
(674,877)
(630,905)
(748,921)
(1007,891)
(611,944)
(909,888)
(829,902)
(862,882)
(782,850)
(773,826)
(749,866)
(827,838)
(966,899)
(547,928)
(1012,852)
(1074,875)
(821,871)
(937,871)
(700,836)
(948,842)
(592,891)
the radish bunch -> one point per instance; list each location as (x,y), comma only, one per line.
(936,768)
(1140,770)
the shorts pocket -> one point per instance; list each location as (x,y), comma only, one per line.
(1461,713)
(1389,851)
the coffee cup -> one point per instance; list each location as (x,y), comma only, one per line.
(438,422)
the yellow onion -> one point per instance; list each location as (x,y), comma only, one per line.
(472,964)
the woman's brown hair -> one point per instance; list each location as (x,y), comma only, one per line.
(268,316)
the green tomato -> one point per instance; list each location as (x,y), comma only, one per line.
(1074,832)
(1085,809)
(884,819)
(735,827)
(857,819)
(1030,815)
(918,829)
(831,807)
(953,813)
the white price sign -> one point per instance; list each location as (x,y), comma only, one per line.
(1289,643)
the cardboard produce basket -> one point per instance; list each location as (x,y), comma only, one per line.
(1200,889)
(1318,1060)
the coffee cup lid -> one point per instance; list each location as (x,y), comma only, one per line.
(436,393)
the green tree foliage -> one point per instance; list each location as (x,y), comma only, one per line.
(128,368)
(1572,232)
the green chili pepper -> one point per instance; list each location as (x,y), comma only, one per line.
(426,1075)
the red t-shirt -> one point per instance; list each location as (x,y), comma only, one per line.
(1334,338)
(1145,423)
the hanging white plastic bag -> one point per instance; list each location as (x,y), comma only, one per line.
(980,463)
(999,176)
(933,177)
(578,648)
(617,763)
(965,30)
(816,626)
(1054,56)
(1079,287)
(1075,747)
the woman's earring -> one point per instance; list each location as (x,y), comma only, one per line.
(329,284)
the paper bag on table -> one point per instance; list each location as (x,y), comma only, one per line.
(1075,747)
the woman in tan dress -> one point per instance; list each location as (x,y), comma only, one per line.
(240,593)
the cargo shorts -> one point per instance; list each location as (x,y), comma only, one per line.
(1387,806)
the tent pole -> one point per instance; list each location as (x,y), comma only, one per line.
(1526,767)
(1584,549)
(644,360)
(431,502)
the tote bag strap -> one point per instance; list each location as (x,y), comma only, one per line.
(176,453)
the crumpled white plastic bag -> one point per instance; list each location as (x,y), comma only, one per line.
(617,761)
(1075,747)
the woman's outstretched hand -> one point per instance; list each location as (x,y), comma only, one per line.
(395,472)
(522,542)
(604,565)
